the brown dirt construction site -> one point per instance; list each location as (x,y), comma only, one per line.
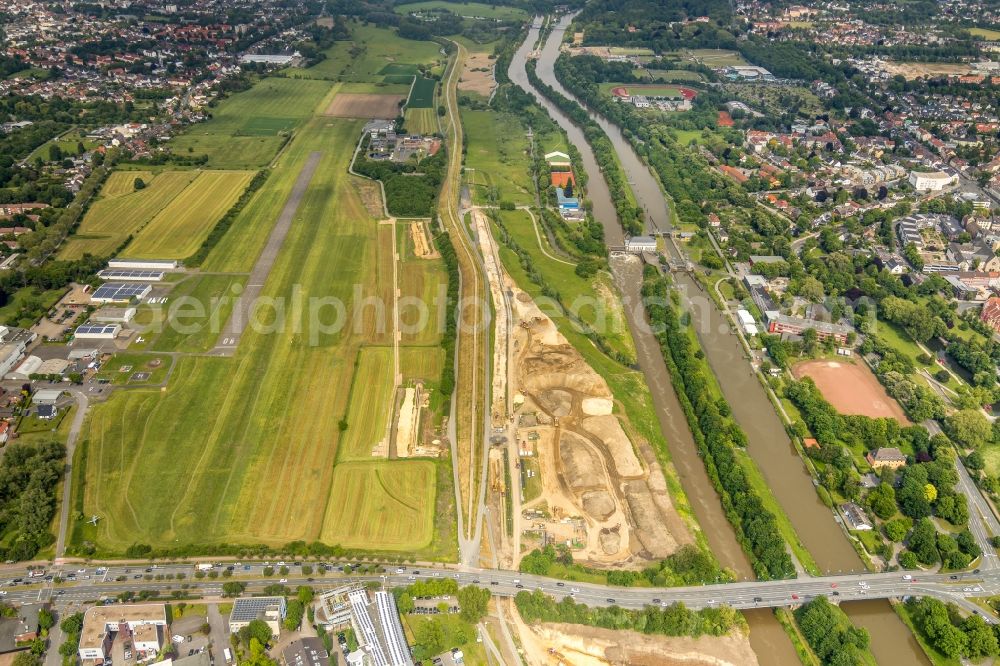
(364,105)
(603,491)
(851,388)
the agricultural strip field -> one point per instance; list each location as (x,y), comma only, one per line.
(258,431)
(112,219)
(497,148)
(476,9)
(422,94)
(370,403)
(180,228)
(361,105)
(120,183)
(421,121)
(386,503)
(245,129)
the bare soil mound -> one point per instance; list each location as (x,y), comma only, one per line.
(581,465)
(598,503)
(609,431)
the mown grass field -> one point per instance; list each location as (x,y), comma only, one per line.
(386,503)
(168,219)
(476,9)
(364,58)
(113,218)
(245,130)
(985,33)
(241,441)
(370,404)
(195,313)
(421,121)
(180,228)
(422,94)
(497,150)
(669,75)
(120,183)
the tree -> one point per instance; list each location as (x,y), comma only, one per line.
(923,541)
(809,337)
(233,588)
(930,492)
(882,501)
(896,529)
(26,658)
(268,571)
(473,602)
(257,630)
(969,428)
(138,184)
(46,620)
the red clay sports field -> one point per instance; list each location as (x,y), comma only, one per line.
(654,91)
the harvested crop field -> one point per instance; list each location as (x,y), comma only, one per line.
(421,121)
(477,74)
(851,388)
(364,105)
(386,503)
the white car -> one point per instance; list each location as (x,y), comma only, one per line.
(283,580)
(81,571)
(967,589)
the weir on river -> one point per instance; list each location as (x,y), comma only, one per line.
(768,443)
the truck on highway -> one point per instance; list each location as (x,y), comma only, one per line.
(205,566)
(228,655)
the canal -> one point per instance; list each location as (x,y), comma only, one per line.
(768,443)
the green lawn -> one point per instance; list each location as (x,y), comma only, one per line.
(364,58)
(193,316)
(985,33)
(455,632)
(245,129)
(239,441)
(497,161)
(469,9)
(27,304)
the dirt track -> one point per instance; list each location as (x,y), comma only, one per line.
(229,339)
(851,388)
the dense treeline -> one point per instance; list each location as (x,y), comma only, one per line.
(951,634)
(831,635)
(29,476)
(223,225)
(411,188)
(716,434)
(629,215)
(688,566)
(657,24)
(447,251)
(674,620)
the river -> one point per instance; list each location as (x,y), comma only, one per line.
(768,443)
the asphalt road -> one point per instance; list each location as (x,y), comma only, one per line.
(959,588)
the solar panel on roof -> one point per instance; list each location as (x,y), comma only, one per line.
(117,291)
(95,329)
(130,274)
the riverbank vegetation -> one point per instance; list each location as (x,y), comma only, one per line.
(947,631)
(716,434)
(832,637)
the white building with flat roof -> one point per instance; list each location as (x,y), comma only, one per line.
(144,264)
(28,367)
(931,180)
(145,624)
(640,244)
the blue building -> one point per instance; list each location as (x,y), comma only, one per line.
(566,203)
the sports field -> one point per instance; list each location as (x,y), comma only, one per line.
(851,388)
(422,94)
(649,90)
(180,228)
(386,503)
(421,121)
(113,218)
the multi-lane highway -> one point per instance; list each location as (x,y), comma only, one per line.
(92,584)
